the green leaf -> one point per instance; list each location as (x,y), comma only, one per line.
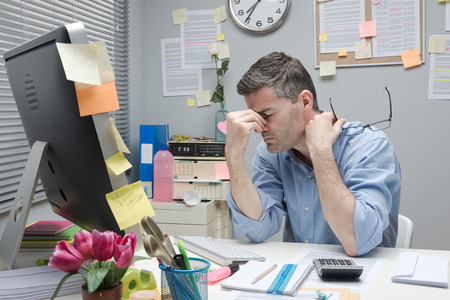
(64,279)
(219,72)
(225,63)
(95,278)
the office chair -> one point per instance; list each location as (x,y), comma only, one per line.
(405,232)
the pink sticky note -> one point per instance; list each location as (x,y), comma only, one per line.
(222,171)
(375,2)
(367,28)
(222,126)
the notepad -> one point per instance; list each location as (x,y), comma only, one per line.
(421,269)
(285,279)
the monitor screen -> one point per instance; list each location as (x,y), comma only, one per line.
(74,174)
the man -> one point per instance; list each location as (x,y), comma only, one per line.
(336,185)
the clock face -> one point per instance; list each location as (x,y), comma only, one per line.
(259,15)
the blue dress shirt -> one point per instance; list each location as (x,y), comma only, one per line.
(369,167)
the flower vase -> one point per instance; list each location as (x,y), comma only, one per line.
(111,294)
(220,124)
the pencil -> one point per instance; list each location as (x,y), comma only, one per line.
(263,274)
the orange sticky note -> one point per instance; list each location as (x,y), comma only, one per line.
(97,99)
(411,58)
(367,28)
(342,52)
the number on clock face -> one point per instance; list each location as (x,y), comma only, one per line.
(259,15)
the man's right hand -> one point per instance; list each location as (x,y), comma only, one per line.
(239,125)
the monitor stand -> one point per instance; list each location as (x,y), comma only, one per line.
(13,232)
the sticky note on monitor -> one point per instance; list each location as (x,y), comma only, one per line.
(129,204)
(97,99)
(118,163)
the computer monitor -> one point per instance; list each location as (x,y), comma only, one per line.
(71,159)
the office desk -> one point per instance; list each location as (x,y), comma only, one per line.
(382,288)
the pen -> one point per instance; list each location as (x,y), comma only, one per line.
(187,264)
(263,274)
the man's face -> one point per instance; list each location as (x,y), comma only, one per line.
(285,121)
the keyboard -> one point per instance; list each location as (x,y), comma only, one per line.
(216,250)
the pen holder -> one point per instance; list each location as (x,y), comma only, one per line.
(185,284)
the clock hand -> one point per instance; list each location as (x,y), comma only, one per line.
(251,9)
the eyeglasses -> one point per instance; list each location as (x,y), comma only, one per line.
(376,126)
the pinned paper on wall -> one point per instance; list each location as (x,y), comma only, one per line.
(367,29)
(411,58)
(222,172)
(219,14)
(86,64)
(118,163)
(363,50)
(179,16)
(119,141)
(97,99)
(129,204)
(203,98)
(437,44)
(224,51)
(327,68)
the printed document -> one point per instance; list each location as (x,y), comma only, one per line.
(439,78)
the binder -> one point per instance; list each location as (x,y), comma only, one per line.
(151,137)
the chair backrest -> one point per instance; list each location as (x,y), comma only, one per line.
(405,232)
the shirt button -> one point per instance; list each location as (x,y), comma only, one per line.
(306,208)
(306,241)
(309,176)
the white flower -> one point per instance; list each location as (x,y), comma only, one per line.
(213,48)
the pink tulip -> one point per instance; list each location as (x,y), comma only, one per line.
(103,244)
(83,243)
(66,258)
(124,249)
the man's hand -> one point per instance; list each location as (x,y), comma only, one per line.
(239,126)
(322,131)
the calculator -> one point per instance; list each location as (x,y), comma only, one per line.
(341,269)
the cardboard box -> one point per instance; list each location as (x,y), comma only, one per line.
(200,169)
(207,190)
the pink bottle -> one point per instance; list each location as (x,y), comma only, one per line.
(163,175)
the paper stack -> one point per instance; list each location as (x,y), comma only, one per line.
(44,235)
(36,283)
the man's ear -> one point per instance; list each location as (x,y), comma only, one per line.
(306,99)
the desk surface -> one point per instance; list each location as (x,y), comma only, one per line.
(382,287)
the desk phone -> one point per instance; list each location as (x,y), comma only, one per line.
(337,268)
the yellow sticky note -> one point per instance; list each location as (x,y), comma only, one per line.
(203,98)
(327,68)
(342,52)
(224,51)
(97,99)
(367,29)
(363,50)
(323,37)
(119,141)
(220,37)
(118,163)
(219,14)
(411,58)
(190,102)
(179,16)
(437,44)
(129,204)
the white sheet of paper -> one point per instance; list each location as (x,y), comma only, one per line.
(176,80)
(392,40)
(340,25)
(196,35)
(439,76)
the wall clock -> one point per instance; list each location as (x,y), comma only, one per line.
(259,16)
